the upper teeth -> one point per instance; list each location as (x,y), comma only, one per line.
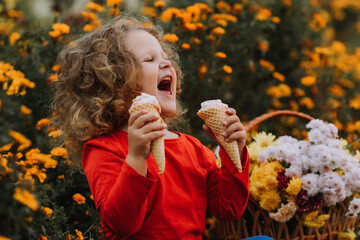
(167,79)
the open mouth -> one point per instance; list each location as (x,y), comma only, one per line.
(165,85)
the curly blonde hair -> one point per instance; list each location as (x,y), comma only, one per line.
(98,79)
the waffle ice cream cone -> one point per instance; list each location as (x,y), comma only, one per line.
(151,104)
(213,112)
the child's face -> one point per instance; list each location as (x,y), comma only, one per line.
(158,76)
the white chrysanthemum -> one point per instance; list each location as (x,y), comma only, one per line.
(310,182)
(354,206)
(294,171)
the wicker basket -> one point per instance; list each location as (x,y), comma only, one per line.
(256,221)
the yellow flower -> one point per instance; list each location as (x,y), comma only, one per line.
(59,151)
(279,76)
(220,55)
(26,198)
(25,110)
(218,31)
(34,155)
(21,139)
(346,235)
(80,199)
(159,3)
(185,46)
(112,3)
(270,200)
(47,211)
(79,235)
(13,38)
(227,69)
(94,7)
(294,186)
(307,102)
(266,64)
(308,80)
(282,90)
(35,171)
(171,37)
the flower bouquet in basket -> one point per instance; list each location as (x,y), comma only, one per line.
(299,189)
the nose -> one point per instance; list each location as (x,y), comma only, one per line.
(165,64)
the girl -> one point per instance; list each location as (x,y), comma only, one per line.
(100,75)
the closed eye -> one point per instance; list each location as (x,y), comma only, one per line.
(149,60)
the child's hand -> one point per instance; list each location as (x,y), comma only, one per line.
(141,132)
(234,129)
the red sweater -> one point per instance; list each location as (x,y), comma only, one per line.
(168,206)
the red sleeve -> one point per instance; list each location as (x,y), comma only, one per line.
(119,192)
(228,189)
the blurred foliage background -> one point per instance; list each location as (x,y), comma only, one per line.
(256,55)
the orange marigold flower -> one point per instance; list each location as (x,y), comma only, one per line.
(307,102)
(275,19)
(169,13)
(218,31)
(61,176)
(159,3)
(223,6)
(112,3)
(202,70)
(220,55)
(114,12)
(15,14)
(52,78)
(355,102)
(279,76)
(266,64)
(185,46)
(171,37)
(308,80)
(227,69)
(13,38)
(47,211)
(195,40)
(21,139)
(190,26)
(25,110)
(26,198)
(60,152)
(80,199)
(54,134)
(287,3)
(88,28)
(63,28)
(94,7)
(89,15)
(79,235)
(237,8)
(222,22)
(263,14)
(42,237)
(42,123)
(337,91)
(263,46)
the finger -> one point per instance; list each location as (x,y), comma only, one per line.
(237,135)
(144,119)
(135,115)
(154,126)
(151,136)
(237,126)
(231,119)
(231,111)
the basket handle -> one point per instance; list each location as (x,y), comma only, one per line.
(256,121)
